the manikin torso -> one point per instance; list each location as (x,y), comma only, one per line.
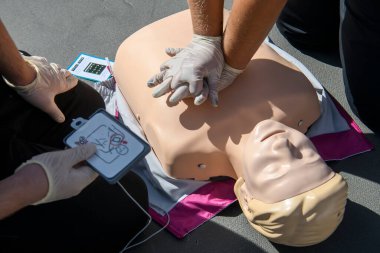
(201,142)
(287,192)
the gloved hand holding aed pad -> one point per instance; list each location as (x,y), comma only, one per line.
(66,174)
(117,147)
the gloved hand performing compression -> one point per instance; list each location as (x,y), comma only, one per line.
(66,177)
(51,80)
(229,74)
(185,73)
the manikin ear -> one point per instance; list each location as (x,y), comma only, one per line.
(243,197)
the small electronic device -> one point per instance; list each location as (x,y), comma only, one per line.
(118,148)
(91,67)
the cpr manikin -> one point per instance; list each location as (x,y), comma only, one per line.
(287,192)
(202,142)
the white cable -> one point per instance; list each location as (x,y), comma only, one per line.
(128,246)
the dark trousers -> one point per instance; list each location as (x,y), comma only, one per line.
(353,28)
(100,219)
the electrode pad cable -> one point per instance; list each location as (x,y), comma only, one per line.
(128,246)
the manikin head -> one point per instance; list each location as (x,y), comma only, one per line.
(287,192)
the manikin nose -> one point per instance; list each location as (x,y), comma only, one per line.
(281,143)
(286,147)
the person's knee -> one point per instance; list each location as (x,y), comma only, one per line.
(81,101)
(90,96)
(368,113)
(310,24)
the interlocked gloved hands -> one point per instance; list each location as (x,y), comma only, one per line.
(66,177)
(51,80)
(192,71)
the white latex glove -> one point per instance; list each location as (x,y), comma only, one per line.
(51,80)
(187,70)
(64,179)
(228,76)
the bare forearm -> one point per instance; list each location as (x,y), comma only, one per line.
(249,23)
(22,189)
(12,65)
(207,16)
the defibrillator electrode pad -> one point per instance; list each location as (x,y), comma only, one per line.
(118,148)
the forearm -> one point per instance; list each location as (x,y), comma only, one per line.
(12,65)
(249,23)
(207,17)
(23,188)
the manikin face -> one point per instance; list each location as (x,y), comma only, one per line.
(280,163)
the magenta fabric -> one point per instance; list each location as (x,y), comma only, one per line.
(209,200)
(338,146)
(198,207)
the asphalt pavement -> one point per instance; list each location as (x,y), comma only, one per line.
(60,30)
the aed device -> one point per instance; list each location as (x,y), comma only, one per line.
(118,148)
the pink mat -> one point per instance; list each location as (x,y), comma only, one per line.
(209,200)
(338,146)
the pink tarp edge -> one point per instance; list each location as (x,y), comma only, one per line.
(198,207)
(212,198)
(338,146)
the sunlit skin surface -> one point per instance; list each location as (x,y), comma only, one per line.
(200,142)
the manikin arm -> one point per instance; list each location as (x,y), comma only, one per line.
(249,23)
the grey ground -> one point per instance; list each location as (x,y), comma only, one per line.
(60,30)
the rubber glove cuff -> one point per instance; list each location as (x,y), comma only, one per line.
(211,39)
(49,178)
(229,74)
(25,89)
